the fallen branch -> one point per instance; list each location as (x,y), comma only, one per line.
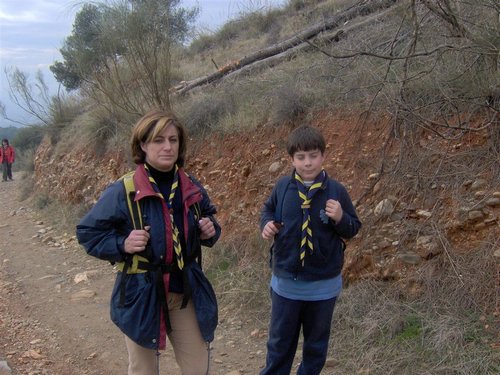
(363,8)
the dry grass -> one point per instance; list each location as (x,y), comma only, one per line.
(378,328)
(443,330)
(240,275)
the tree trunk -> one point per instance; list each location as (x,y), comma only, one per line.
(277,51)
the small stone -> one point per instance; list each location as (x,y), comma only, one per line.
(275,167)
(479,184)
(384,208)
(475,215)
(410,258)
(423,214)
(82,294)
(493,202)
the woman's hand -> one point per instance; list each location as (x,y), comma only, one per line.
(207,228)
(137,240)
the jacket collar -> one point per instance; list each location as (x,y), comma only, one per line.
(190,192)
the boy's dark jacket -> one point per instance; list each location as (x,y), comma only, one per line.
(102,233)
(327,259)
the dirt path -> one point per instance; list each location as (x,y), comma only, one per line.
(54,306)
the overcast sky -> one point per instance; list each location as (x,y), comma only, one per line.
(32,32)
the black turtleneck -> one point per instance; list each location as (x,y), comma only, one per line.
(164,181)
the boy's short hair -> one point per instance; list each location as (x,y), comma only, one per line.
(305,138)
(149,126)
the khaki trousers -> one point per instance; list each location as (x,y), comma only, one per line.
(192,353)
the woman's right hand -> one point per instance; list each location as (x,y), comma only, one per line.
(270,230)
(137,240)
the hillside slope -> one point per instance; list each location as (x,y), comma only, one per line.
(406,100)
(402,228)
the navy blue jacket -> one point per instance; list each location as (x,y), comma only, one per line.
(327,259)
(102,232)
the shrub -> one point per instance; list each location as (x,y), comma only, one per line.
(204,113)
(289,103)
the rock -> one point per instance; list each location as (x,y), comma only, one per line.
(82,294)
(409,258)
(275,167)
(234,372)
(255,333)
(423,214)
(475,215)
(478,184)
(496,254)
(384,244)
(479,194)
(331,362)
(384,209)
(427,248)
(33,354)
(80,277)
(493,202)
(47,239)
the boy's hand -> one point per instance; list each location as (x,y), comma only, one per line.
(333,210)
(137,240)
(207,228)
(270,230)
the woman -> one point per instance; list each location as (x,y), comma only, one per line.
(160,290)
(7,157)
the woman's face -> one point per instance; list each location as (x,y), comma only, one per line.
(162,152)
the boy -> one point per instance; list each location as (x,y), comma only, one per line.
(307,214)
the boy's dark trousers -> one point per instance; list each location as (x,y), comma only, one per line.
(287,317)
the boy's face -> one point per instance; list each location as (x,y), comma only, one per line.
(308,164)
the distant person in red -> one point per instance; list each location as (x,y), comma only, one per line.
(7,157)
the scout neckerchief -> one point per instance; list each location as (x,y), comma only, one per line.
(306,194)
(175,230)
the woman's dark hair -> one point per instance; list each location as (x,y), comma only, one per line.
(305,138)
(5,140)
(149,126)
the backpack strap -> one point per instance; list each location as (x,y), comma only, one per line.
(141,264)
(280,195)
(133,207)
(131,263)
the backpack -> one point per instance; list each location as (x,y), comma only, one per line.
(140,262)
